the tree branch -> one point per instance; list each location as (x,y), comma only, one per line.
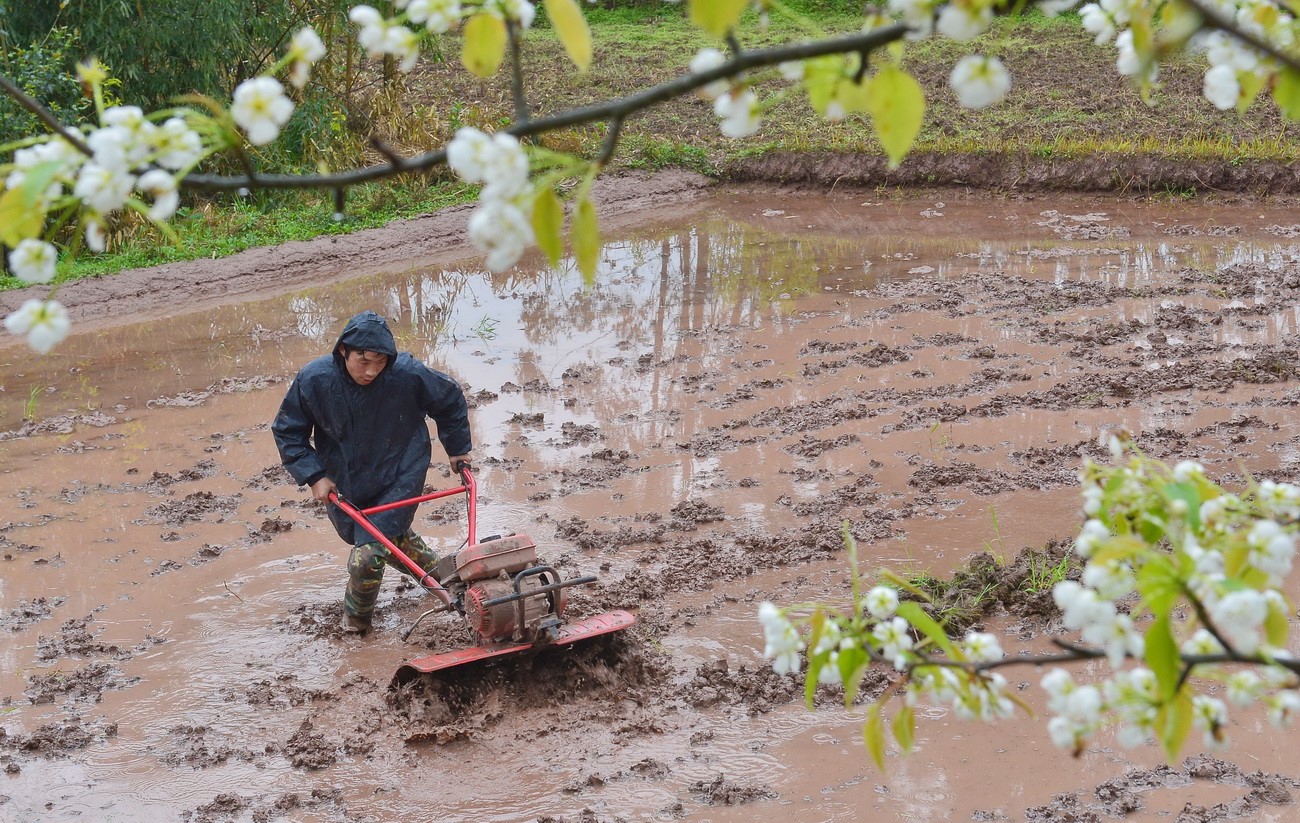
(608,110)
(43,114)
(1216,21)
(522,114)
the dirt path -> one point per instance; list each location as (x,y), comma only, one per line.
(756,366)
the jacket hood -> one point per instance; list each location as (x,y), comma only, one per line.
(367,331)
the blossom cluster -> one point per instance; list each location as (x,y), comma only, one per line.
(500,226)
(128,160)
(395,36)
(1230,554)
(1180,586)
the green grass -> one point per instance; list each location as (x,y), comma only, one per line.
(219,229)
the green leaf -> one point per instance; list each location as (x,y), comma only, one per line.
(852,663)
(717,17)
(854,97)
(1286,91)
(1276,625)
(1162,656)
(1157,582)
(18,220)
(896,104)
(899,582)
(21,217)
(905,728)
(914,614)
(1174,721)
(821,76)
(1251,85)
(873,734)
(485,44)
(1189,494)
(586,240)
(548,224)
(572,28)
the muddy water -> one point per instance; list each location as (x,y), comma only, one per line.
(693,429)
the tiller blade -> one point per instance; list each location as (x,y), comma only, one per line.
(566,635)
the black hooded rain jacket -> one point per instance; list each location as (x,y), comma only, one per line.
(372,440)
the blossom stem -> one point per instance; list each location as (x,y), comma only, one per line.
(43,114)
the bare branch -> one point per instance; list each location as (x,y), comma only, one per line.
(517,73)
(608,110)
(44,114)
(611,141)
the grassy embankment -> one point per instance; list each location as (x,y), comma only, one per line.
(1067,101)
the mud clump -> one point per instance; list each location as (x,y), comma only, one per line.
(308,750)
(75,639)
(723,792)
(84,684)
(193,508)
(59,738)
(30,611)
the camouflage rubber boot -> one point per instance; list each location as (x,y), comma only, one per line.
(416,549)
(365,574)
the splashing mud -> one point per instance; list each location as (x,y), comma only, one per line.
(752,368)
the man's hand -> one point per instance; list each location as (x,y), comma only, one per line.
(321,489)
(458,459)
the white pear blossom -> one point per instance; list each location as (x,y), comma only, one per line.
(500,230)
(44,322)
(103,188)
(963,21)
(1211,715)
(979,81)
(1271,548)
(982,647)
(261,108)
(521,11)
(1243,687)
(707,59)
(1200,643)
(1239,616)
(1283,708)
(739,113)
(161,186)
(34,261)
(176,145)
(506,172)
(94,233)
(881,602)
(306,49)
(1093,534)
(917,14)
(792,70)
(783,643)
(438,16)
(1111,580)
(469,154)
(1051,8)
(1221,87)
(895,641)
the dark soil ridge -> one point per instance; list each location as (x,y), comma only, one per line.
(1023,171)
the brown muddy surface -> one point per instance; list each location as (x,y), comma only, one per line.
(753,367)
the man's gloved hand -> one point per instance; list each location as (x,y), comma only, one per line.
(459,459)
(321,489)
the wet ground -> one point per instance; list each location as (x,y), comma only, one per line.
(754,367)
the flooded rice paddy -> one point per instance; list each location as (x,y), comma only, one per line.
(693,427)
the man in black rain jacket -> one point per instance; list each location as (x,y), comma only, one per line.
(353,422)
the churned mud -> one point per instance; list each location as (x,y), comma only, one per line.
(754,369)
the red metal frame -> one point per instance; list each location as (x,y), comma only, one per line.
(361,516)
